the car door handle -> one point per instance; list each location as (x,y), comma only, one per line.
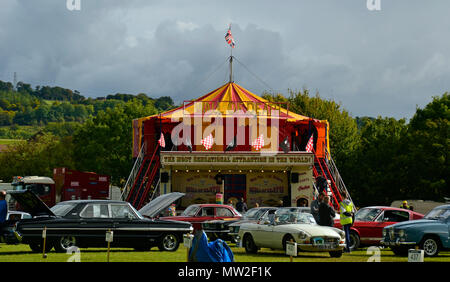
(83,223)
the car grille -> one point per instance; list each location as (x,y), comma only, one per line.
(391,234)
(325,240)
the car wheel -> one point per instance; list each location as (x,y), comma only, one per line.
(64,243)
(336,254)
(249,244)
(169,242)
(37,247)
(431,246)
(355,241)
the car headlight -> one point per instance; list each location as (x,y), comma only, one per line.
(342,234)
(391,232)
(302,235)
(384,232)
(401,233)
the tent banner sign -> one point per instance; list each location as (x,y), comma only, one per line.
(236,159)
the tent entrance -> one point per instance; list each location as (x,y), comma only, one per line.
(235,187)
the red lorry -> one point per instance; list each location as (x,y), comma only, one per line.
(66,185)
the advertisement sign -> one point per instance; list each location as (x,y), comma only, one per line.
(266,188)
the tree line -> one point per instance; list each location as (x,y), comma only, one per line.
(42,105)
(384,159)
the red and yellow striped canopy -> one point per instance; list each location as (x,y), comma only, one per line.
(227,100)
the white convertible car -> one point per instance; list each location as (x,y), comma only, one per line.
(286,224)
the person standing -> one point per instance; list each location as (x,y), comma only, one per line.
(346,213)
(405,205)
(315,207)
(241,206)
(3,211)
(321,184)
(326,212)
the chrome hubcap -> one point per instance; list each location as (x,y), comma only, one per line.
(169,242)
(67,242)
(430,246)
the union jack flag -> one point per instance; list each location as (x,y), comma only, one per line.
(208,141)
(310,144)
(229,38)
(161,141)
(258,143)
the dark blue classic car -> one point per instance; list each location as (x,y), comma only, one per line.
(432,233)
(84,223)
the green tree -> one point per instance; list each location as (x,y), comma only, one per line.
(103,144)
(377,167)
(428,144)
(36,157)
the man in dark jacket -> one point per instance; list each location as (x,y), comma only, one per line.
(326,212)
(241,206)
(3,212)
(315,207)
(321,184)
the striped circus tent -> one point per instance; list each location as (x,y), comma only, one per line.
(228,101)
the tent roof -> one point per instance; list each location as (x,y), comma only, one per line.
(230,99)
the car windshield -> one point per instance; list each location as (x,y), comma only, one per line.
(293,216)
(438,213)
(62,209)
(254,213)
(367,214)
(190,211)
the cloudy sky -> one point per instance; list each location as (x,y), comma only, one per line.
(383,62)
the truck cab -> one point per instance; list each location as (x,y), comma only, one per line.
(42,186)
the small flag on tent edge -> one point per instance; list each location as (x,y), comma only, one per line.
(161,141)
(310,144)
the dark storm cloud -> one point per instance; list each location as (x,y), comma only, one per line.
(375,63)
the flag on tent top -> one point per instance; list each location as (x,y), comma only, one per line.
(258,143)
(310,144)
(208,141)
(161,141)
(229,38)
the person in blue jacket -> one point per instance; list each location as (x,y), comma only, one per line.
(3,211)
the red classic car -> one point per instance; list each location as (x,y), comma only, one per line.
(370,221)
(198,213)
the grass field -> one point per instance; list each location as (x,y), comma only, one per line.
(22,253)
(9,141)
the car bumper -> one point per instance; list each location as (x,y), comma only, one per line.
(396,243)
(216,231)
(321,248)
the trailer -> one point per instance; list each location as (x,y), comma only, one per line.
(79,185)
(66,184)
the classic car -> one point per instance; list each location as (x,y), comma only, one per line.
(370,221)
(84,223)
(227,229)
(291,224)
(199,213)
(8,228)
(430,233)
(256,217)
